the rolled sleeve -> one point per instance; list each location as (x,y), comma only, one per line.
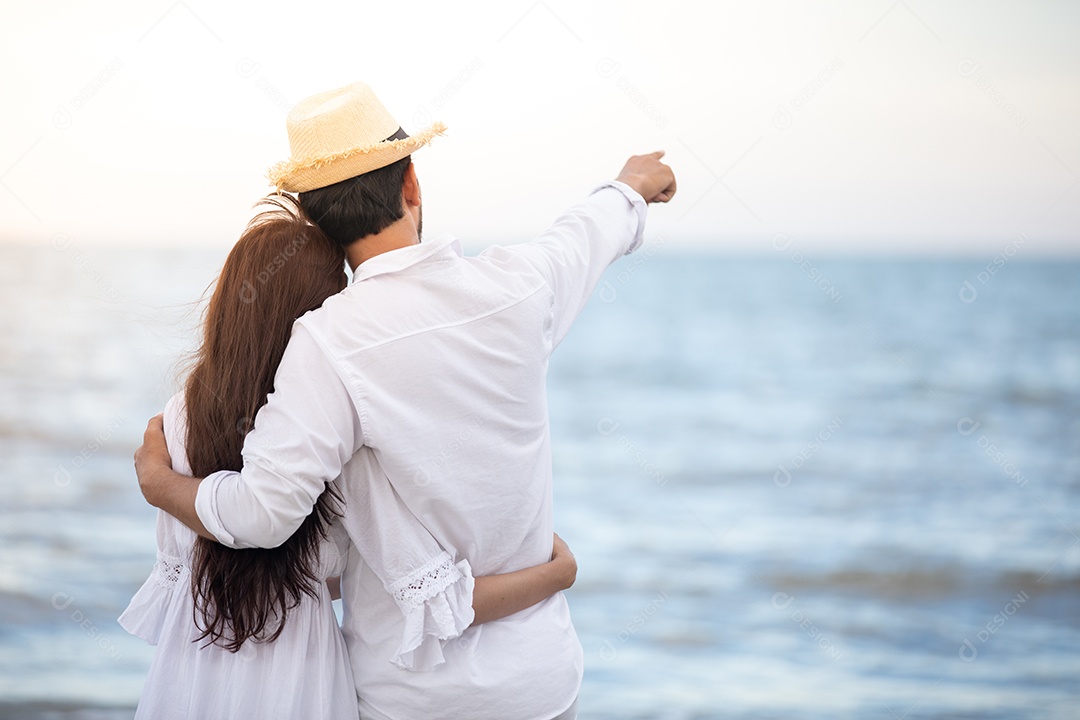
(302,437)
(206,506)
(639,206)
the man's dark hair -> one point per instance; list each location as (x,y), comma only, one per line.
(360,206)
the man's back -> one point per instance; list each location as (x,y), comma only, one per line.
(445,359)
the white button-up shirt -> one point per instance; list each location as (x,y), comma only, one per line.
(425,378)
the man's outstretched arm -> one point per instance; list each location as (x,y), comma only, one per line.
(302,437)
(573,253)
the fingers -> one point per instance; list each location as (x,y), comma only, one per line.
(155,428)
(669,192)
(153,438)
(649,177)
(559,547)
(154,451)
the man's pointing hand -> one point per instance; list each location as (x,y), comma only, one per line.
(652,179)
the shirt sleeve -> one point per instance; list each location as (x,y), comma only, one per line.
(433,592)
(307,435)
(302,437)
(573,253)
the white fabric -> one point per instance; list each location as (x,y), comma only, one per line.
(426,378)
(305,673)
(368,713)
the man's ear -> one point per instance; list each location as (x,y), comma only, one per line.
(410,190)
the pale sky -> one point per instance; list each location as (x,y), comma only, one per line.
(876,125)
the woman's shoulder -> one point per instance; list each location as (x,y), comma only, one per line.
(175,421)
(175,413)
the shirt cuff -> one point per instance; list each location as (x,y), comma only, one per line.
(639,205)
(436,601)
(206,507)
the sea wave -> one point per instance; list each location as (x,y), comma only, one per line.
(926,583)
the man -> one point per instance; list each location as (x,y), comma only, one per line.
(430,369)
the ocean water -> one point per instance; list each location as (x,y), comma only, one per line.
(845,488)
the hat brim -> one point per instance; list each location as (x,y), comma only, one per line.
(315,173)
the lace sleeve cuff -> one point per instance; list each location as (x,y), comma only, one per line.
(163,592)
(436,601)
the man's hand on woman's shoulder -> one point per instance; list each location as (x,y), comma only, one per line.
(151,458)
(163,487)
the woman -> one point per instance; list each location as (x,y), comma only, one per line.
(251,633)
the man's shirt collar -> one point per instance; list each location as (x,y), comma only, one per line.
(405,257)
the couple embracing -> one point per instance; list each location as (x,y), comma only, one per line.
(387,440)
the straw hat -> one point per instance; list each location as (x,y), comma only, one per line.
(339,134)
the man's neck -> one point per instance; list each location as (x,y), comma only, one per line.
(401,234)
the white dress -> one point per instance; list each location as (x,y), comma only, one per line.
(305,673)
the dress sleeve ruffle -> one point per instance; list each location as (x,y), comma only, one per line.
(436,601)
(146,614)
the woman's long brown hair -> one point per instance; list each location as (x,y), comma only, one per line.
(282,267)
